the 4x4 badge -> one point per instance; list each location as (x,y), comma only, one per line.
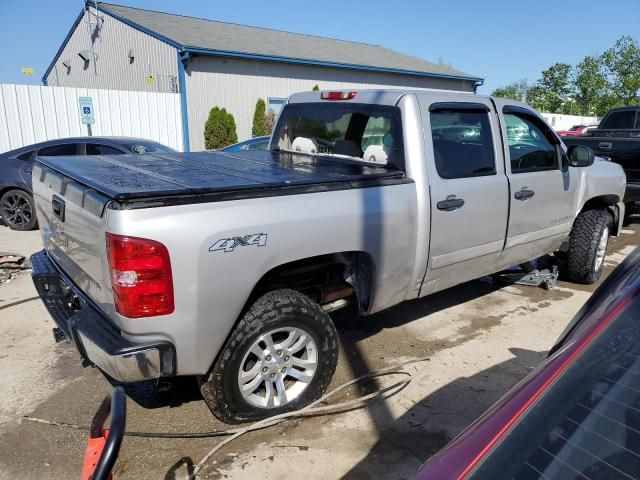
(229,244)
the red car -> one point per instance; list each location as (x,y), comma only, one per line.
(575,130)
(577,416)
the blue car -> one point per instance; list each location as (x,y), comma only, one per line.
(256,143)
(16,198)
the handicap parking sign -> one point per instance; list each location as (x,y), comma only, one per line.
(86,110)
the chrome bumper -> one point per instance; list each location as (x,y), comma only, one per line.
(143,364)
(98,340)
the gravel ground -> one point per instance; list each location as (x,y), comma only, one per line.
(480,338)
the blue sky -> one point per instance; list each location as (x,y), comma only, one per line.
(500,40)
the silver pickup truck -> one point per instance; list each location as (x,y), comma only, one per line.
(225,266)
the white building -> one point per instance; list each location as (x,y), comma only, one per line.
(213,63)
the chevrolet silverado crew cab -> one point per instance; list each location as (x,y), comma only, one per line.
(225,266)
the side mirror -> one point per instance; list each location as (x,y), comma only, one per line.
(580,156)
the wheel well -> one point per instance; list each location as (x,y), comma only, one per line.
(323,278)
(608,203)
(13,187)
(601,202)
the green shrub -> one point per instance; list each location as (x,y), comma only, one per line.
(219,129)
(257,130)
(315,88)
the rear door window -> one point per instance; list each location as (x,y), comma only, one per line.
(462,143)
(25,156)
(59,150)
(98,149)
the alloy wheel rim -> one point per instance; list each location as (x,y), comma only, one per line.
(602,248)
(16,210)
(278,367)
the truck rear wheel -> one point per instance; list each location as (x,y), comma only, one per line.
(588,245)
(281,357)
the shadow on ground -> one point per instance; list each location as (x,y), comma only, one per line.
(405,443)
(352,329)
(633,218)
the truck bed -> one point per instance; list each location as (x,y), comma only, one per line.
(131,178)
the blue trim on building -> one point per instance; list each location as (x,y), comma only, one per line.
(324,63)
(183,57)
(64,44)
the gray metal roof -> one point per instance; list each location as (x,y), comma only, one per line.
(220,37)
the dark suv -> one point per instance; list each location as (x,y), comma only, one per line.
(16,201)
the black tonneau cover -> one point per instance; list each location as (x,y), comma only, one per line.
(132,177)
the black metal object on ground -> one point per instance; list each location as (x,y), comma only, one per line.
(544,278)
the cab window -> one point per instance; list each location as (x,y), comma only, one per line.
(530,148)
(462,143)
(353,132)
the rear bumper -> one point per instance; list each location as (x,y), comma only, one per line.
(98,340)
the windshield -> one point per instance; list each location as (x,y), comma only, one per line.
(147,147)
(365,133)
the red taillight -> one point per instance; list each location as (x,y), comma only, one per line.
(337,95)
(141,278)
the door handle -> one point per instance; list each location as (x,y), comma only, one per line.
(450,204)
(605,145)
(524,194)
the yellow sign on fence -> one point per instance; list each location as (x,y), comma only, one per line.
(27,70)
(150,79)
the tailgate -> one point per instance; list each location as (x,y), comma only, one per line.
(72,220)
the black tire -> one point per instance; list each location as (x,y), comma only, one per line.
(588,231)
(18,210)
(274,310)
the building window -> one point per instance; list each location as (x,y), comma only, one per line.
(275,104)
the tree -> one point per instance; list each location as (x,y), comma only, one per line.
(536,98)
(230,122)
(315,88)
(257,130)
(622,62)
(219,129)
(554,86)
(514,91)
(591,86)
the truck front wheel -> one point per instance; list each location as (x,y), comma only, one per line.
(280,357)
(588,245)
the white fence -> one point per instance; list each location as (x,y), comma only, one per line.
(564,122)
(31,114)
